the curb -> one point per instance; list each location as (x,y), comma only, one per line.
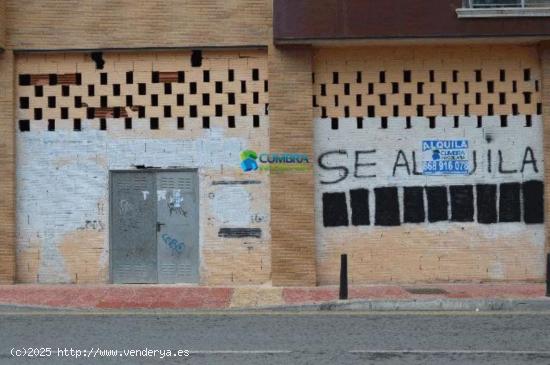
(435,305)
(485,305)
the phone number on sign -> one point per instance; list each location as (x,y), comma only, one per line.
(457,167)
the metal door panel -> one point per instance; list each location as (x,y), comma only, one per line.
(177,215)
(133,228)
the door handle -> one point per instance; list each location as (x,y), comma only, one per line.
(159,226)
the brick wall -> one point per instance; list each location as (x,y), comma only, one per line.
(7,162)
(2,24)
(303,250)
(376,201)
(55,24)
(77,122)
(292,193)
(544,51)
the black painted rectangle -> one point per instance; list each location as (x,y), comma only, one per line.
(486,203)
(533,202)
(437,203)
(509,203)
(413,202)
(335,210)
(387,207)
(462,203)
(360,207)
(240,232)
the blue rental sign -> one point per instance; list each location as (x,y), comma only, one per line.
(445,157)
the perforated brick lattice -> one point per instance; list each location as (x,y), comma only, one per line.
(147,87)
(396,83)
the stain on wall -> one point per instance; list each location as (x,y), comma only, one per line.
(231,205)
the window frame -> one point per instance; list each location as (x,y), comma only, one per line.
(469,10)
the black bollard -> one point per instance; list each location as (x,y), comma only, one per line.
(344,277)
(548,275)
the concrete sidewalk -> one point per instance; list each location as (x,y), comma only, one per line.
(371,297)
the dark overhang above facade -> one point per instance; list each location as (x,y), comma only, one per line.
(357,21)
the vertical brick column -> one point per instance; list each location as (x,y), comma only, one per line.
(292,193)
(545,67)
(7,166)
(7,157)
(2,24)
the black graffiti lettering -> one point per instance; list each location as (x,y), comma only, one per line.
(176,210)
(408,165)
(532,160)
(501,162)
(474,161)
(415,171)
(358,164)
(344,171)
(401,156)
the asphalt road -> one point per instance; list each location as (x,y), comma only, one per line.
(276,338)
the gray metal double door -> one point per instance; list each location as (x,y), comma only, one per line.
(154,227)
